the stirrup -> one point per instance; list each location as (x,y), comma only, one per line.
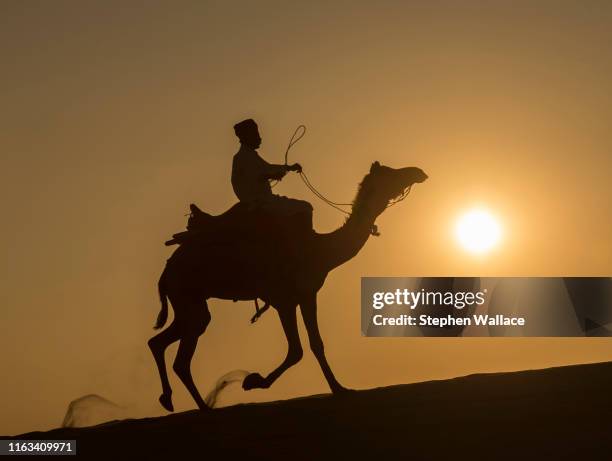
(258,311)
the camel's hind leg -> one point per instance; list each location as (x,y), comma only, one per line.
(158,345)
(195,323)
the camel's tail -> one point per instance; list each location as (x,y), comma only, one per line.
(163,313)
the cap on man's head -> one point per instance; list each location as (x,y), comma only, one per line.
(245,127)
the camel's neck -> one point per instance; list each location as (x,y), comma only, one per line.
(344,243)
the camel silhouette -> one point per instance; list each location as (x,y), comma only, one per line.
(284,270)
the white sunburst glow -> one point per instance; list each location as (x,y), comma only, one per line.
(478,231)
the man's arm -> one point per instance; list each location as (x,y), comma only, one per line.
(277,172)
(259,167)
(272,171)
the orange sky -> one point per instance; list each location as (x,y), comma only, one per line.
(116,116)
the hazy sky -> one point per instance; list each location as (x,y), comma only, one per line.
(116,115)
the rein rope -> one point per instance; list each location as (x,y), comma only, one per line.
(337,205)
(318,194)
(294,140)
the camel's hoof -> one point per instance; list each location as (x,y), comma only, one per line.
(342,391)
(166,401)
(254,381)
(204,408)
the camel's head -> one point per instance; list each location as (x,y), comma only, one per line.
(383,185)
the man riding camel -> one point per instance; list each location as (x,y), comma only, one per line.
(251,177)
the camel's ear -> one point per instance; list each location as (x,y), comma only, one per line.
(374,166)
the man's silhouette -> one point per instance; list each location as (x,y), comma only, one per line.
(251,177)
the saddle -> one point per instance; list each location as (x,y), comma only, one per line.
(240,222)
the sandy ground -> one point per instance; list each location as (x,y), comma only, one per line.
(555,413)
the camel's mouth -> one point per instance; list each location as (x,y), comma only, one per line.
(412,175)
(409,177)
(401,196)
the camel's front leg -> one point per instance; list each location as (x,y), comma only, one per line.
(294,354)
(309,314)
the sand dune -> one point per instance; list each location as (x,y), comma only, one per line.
(555,413)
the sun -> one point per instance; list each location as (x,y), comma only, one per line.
(478,231)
